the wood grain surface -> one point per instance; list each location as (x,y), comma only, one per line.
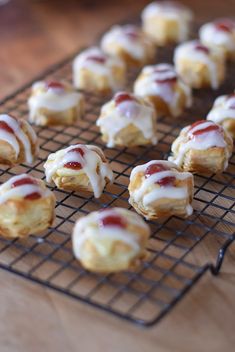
(33,35)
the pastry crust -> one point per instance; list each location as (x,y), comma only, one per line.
(160,189)
(220,34)
(203,148)
(79,167)
(95,71)
(18,141)
(130,44)
(127,120)
(166,22)
(54,103)
(223,112)
(199,65)
(161,86)
(26,208)
(110,240)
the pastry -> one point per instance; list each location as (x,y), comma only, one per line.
(223,112)
(97,72)
(79,167)
(18,141)
(203,147)
(220,34)
(167,22)
(130,44)
(54,103)
(160,189)
(161,85)
(110,240)
(199,65)
(26,206)
(127,120)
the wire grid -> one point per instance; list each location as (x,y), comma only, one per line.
(171,269)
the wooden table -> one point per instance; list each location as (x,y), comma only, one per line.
(33,35)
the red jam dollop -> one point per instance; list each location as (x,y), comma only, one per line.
(27,181)
(154,169)
(54,85)
(205,129)
(121,97)
(171,79)
(74,165)
(202,48)
(4,126)
(97,58)
(113,220)
(225,25)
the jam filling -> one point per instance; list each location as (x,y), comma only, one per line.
(225,25)
(113,220)
(4,126)
(171,79)
(27,181)
(212,127)
(121,97)
(74,165)
(202,48)
(97,58)
(154,169)
(54,85)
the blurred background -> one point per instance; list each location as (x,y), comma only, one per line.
(35,34)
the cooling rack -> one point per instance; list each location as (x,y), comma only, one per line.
(176,260)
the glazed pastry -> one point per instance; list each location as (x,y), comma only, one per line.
(110,240)
(127,120)
(159,189)
(130,44)
(161,85)
(18,141)
(79,167)
(54,103)
(223,112)
(220,34)
(97,72)
(167,22)
(26,206)
(203,147)
(199,65)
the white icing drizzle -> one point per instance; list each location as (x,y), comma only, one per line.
(149,194)
(6,192)
(117,35)
(170,10)
(89,162)
(87,228)
(212,36)
(188,51)
(51,99)
(99,68)
(115,118)
(146,85)
(203,141)
(18,136)
(221,109)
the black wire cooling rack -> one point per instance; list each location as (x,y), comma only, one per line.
(176,258)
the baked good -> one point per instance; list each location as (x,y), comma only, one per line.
(79,167)
(162,86)
(97,72)
(110,240)
(220,34)
(127,120)
(54,103)
(130,44)
(203,147)
(223,112)
(18,141)
(26,206)
(160,189)
(199,65)
(167,22)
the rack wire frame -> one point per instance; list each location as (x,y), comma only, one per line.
(172,267)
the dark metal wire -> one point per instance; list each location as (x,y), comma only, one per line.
(144,296)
